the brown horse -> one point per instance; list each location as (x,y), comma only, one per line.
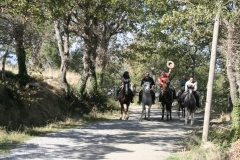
(181,107)
(167,100)
(124,98)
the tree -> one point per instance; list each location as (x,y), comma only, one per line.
(96,22)
(231,51)
(17,28)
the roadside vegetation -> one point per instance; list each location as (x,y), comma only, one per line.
(45,111)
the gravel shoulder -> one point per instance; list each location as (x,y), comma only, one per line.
(113,139)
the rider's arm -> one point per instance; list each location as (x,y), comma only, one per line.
(122,81)
(186,86)
(160,81)
(195,86)
(142,82)
(169,73)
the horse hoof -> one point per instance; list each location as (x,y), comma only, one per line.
(127,118)
(148,119)
(120,118)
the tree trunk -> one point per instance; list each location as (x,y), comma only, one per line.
(101,60)
(21,55)
(88,82)
(63,46)
(3,63)
(230,62)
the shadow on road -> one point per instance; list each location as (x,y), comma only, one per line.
(112,139)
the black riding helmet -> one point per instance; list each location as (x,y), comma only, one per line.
(126,74)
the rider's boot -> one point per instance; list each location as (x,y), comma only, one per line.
(153,97)
(139,100)
(153,100)
(132,100)
(159,99)
(140,97)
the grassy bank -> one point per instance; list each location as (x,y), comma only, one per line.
(29,111)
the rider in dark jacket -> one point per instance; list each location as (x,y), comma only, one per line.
(126,79)
(147,78)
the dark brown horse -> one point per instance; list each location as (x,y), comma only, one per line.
(181,107)
(167,100)
(124,98)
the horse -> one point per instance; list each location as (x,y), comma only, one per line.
(167,100)
(181,107)
(190,104)
(124,98)
(146,100)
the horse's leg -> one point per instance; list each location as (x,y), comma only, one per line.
(183,114)
(170,111)
(183,110)
(149,113)
(179,110)
(145,113)
(127,112)
(192,120)
(121,109)
(163,111)
(167,113)
(186,117)
(142,112)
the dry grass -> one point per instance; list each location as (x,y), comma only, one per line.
(49,73)
(53,74)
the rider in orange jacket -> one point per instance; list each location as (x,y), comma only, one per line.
(164,77)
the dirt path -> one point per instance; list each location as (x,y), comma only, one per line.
(113,140)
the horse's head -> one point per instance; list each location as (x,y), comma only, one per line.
(190,88)
(146,87)
(190,100)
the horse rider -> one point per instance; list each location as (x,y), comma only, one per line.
(126,79)
(182,83)
(149,79)
(193,83)
(164,78)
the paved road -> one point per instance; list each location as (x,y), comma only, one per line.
(114,140)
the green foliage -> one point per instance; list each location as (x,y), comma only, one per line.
(98,102)
(235,132)
(220,93)
(50,54)
(76,63)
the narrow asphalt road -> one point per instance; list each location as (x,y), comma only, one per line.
(114,139)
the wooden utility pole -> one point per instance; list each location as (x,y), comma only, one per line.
(210,80)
